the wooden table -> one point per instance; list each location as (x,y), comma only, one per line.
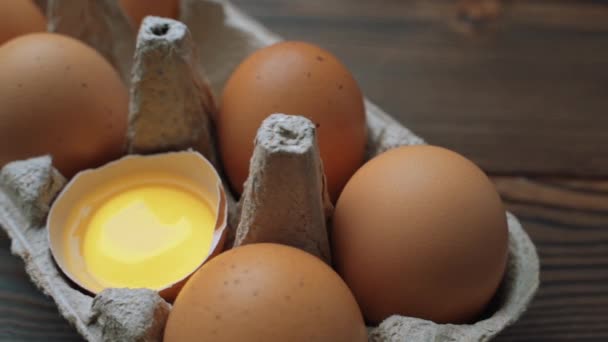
(520,87)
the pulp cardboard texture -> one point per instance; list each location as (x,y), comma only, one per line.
(286,168)
(171,104)
(220,37)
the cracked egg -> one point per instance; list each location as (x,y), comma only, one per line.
(139,222)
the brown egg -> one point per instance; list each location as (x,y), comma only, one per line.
(59,96)
(137,10)
(265,292)
(299,79)
(19,17)
(420,231)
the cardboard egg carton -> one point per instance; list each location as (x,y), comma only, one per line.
(176,70)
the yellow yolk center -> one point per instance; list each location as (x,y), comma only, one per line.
(148,236)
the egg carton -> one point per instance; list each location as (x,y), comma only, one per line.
(177,69)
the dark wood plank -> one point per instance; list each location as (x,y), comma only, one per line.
(568,222)
(525,91)
(25,313)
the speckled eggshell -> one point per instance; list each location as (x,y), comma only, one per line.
(265,292)
(293,78)
(60,97)
(19,17)
(420,231)
(137,10)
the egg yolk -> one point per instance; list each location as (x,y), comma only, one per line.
(148,236)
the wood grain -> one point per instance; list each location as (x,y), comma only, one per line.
(523,93)
(25,313)
(568,222)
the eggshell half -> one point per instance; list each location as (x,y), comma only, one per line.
(190,167)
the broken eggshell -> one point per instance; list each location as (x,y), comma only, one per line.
(190,168)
